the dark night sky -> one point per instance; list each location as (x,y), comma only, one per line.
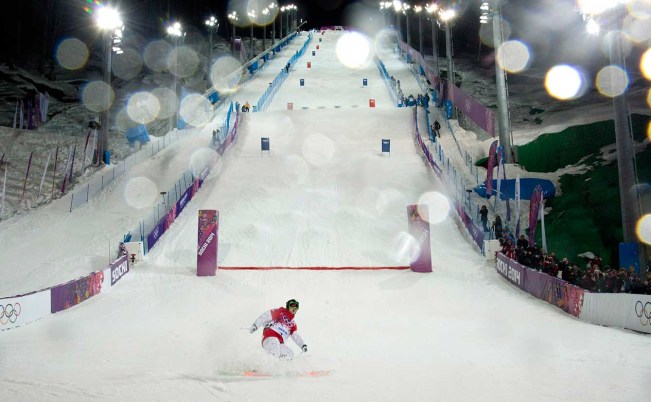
(30,28)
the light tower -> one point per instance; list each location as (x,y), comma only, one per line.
(109,21)
(212,25)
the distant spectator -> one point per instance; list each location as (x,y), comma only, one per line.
(497,227)
(483,217)
(437,128)
(522,242)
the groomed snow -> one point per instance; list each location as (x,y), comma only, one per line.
(323,196)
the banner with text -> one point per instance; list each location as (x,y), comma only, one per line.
(553,290)
(208,240)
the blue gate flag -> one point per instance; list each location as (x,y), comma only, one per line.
(386,145)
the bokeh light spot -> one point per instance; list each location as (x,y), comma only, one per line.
(225,74)
(97,96)
(353,50)
(612,81)
(141,192)
(183,61)
(200,159)
(196,110)
(127,65)
(143,107)
(637,29)
(72,54)
(156,54)
(643,229)
(645,64)
(565,82)
(405,248)
(318,149)
(167,101)
(513,56)
(383,43)
(438,207)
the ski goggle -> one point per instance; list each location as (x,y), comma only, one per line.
(293,304)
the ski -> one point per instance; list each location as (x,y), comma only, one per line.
(263,374)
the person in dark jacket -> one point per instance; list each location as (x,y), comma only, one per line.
(437,128)
(497,227)
(483,217)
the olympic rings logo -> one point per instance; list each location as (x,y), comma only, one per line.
(643,312)
(9,313)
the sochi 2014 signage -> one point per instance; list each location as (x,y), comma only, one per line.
(207,241)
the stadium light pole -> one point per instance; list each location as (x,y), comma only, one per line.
(493,11)
(212,24)
(397,7)
(232,17)
(108,20)
(446,17)
(271,8)
(295,18)
(280,14)
(628,193)
(175,31)
(386,6)
(417,10)
(432,9)
(405,10)
(265,12)
(289,9)
(252,18)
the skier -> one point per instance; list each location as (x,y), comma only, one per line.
(278,326)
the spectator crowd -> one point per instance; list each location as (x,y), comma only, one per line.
(594,276)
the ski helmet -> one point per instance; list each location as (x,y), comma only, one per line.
(291,303)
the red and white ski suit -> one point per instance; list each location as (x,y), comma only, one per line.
(278,326)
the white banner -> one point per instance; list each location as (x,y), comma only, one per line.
(21,310)
(621,310)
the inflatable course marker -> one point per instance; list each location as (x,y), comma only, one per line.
(302,82)
(364,82)
(313,53)
(371,102)
(290,106)
(309,64)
